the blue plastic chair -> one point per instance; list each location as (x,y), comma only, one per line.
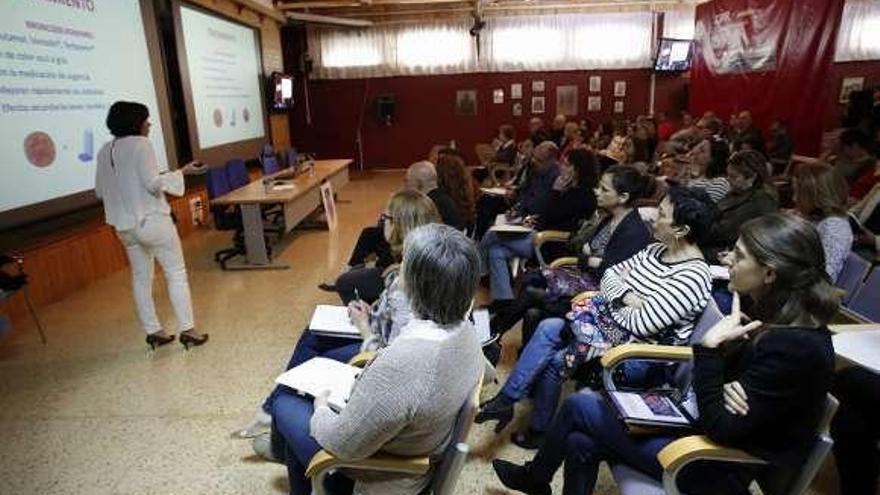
(866,301)
(269,160)
(854,271)
(225,218)
(237,173)
(292,158)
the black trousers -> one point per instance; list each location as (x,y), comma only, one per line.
(371,241)
(856,431)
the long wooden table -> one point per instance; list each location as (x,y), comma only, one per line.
(298,203)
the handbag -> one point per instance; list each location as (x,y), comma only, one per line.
(594,331)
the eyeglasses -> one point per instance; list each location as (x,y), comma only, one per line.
(384,217)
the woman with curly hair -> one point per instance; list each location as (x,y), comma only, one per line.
(453,178)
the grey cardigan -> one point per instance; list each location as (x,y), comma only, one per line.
(405,402)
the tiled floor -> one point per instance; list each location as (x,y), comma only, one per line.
(94,413)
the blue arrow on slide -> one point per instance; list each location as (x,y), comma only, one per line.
(88,151)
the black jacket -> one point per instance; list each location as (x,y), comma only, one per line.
(786,373)
(630,237)
(736,209)
(447,208)
(567,209)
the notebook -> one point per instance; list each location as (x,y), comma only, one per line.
(333,321)
(480,319)
(494,191)
(654,408)
(320,374)
(512,226)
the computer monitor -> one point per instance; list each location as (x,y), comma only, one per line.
(673,55)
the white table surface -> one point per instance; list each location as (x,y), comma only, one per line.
(859,347)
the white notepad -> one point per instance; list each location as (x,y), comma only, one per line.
(719,272)
(321,374)
(494,191)
(480,319)
(333,321)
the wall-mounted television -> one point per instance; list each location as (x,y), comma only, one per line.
(281,91)
(673,55)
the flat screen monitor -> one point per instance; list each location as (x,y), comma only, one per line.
(673,55)
(281,91)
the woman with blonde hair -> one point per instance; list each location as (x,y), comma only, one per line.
(378,323)
(820,196)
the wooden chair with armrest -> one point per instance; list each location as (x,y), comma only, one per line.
(676,456)
(447,467)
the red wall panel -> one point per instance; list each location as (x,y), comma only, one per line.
(425,110)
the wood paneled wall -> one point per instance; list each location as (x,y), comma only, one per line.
(63,263)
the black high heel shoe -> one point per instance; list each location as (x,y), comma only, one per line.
(498,409)
(188,340)
(154,340)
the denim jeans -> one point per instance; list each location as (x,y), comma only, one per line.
(292,442)
(496,252)
(312,345)
(538,372)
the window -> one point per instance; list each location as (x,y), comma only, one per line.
(433,47)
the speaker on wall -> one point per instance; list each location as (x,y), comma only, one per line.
(385,107)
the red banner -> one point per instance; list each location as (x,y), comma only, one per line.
(771,57)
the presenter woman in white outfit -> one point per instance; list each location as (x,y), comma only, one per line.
(133,190)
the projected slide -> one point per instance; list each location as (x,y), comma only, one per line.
(225,77)
(62,64)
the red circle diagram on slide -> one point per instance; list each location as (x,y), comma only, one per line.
(246,115)
(39,149)
(218,118)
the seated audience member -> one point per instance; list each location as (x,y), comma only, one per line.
(406,401)
(750,197)
(537,135)
(573,139)
(867,211)
(454,180)
(856,431)
(708,161)
(759,386)
(746,132)
(688,136)
(569,200)
(557,132)
(621,148)
(780,147)
(422,177)
(531,192)
(644,136)
(505,152)
(665,127)
(619,234)
(656,296)
(820,196)
(379,323)
(853,159)
(405,212)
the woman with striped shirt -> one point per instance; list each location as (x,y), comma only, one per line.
(656,296)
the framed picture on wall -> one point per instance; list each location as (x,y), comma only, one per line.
(516,91)
(849,85)
(498,96)
(567,100)
(594,104)
(517,109)
(619,89)
(466,102)
(595,84)
(537,104)
(537,86)
(618,106)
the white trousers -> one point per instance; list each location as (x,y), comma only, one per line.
(155,238)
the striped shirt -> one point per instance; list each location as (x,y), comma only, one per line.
(673,295)
(716,188)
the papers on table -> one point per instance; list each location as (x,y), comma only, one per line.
(513,226)
(861,347)
(333,321)
(719,272)
(318,375)
(283,187)
(494,191)
(657,409)
(480,319)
